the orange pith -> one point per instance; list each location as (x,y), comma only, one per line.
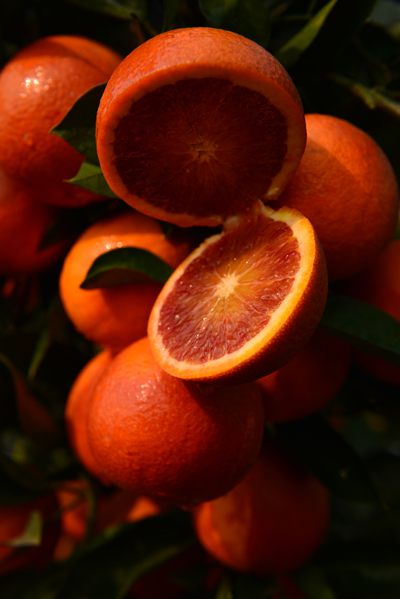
(197,124)
(225,313)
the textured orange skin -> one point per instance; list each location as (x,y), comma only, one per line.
(346,187)
(13,521)
(272,522)
(37,88)
(379,285)
(294,331)
(196,52)
(115,317)
(309,381)
(163,438)
(76,410)
(25,220)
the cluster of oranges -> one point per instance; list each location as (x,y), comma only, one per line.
(200,127)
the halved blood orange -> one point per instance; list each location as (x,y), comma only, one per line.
(197,124)
(244,302)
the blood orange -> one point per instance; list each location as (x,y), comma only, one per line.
(162,437)
(197,124)
(244,302)
(271,522)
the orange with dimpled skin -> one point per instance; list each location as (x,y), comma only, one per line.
(271,522)
(114,317)
(38,86)
(161,437)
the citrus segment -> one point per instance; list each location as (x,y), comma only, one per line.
(244,302)
(198,124)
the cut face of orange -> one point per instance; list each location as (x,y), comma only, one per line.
(244,302)
(197,125)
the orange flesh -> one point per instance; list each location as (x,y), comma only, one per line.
(205,143)
(229,292)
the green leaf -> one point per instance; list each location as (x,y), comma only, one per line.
(35,420)
(338,30)
(312,582)
(170,12)
(122,9)
(331,459)
(249,586)
(373,98)
(364,326)
(55,321)
(290,53)
(126,555)
(250,18)
(124,266)
(90,177)
(31,536)
(78,126)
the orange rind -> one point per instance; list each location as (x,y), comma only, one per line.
(244,302)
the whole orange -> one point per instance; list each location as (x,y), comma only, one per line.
(379,286)
(164,438)
(13,521)
(346,186)
(309,381)
(114,317)
(271,522)
(24,222)
(37,88)
(76,409)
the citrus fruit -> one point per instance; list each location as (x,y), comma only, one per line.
(163,438)
(244,302)
(24,222)
(114,317)
(76,409)
(379,286)
(346,187)
(272,521)
(309,381)
(197,124)
(37,88)
(13,522)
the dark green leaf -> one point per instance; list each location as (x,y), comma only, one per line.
(251,587)
(290,53)
(122,9)
(34,418)
(170,12)
(339,28)
(332,460)
(364,326)
(108,570)
(124,266)
(79,124)
(31,536)
(366,583)
(312,582)
(91,177)
(360,554)
(55,320)
(250,18)
(371,97)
